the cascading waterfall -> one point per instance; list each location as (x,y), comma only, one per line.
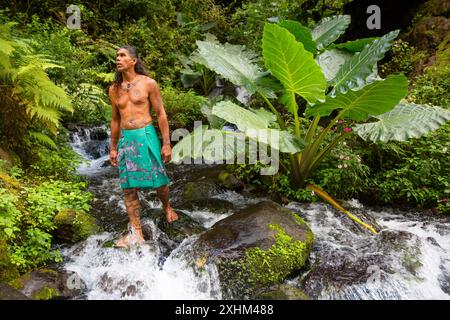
(140,273)
(409,259)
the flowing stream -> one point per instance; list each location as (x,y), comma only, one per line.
(409,259)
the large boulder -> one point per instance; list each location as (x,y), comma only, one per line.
(73,226)
(255,248)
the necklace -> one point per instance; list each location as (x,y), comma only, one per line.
(129,85)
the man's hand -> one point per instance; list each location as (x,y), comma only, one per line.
(166,153)
(113,157)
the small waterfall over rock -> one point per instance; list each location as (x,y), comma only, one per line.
(408,259)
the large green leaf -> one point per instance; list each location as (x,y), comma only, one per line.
(329,29)
(235,64)
(214,145)
(406,120)
(355,73)
(302,34)
(355,45)
(279,139)
(374,99)
(290,63)
(214,121)
(244,119)
(331,61)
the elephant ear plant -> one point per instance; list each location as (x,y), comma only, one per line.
(314,79)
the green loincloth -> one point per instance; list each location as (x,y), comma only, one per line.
(139,159)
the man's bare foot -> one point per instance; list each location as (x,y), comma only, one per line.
(124,242)
(171,215)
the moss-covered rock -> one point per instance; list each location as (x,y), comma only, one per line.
(73,226)
(256,248)
(229,181)
(46,284)
(276,263)
(199,190)
(46,293)
(41,284)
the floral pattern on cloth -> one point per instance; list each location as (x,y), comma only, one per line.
(139,159)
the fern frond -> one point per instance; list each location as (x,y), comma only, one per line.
(43,90)
(46,114)
(42,138)
(28,63)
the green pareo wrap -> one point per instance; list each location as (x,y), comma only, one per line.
(139,159)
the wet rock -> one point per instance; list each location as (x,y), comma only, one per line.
(73,226)
(210,204)
(93,149)
(176,231)
(335,269)
(99,133)
(199,190)
(9,293)
(230,182)
(256,247)
(70,284)
(47,284)
(283,292)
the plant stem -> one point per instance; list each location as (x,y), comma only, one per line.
(295,111)
(292,157)
(279,119)
(311,150)
(311,130)
(334,203)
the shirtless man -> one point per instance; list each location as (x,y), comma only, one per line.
(131,96)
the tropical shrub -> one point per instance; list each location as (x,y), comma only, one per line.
(182,108)
(26,223)
(334,81)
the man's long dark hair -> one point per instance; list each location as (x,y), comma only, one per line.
(139,67)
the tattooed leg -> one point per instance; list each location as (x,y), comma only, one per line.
(163,195)
(133,209)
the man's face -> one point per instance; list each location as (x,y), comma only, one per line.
(124,61)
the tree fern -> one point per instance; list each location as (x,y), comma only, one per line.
(23,73)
